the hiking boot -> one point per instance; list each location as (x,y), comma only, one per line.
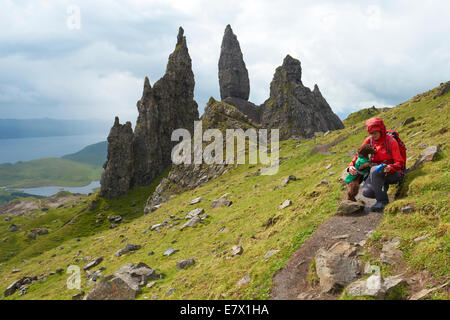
(379,206)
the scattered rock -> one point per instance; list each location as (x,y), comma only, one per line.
(374,286)
(13,228)
(191,223)
(349,207)
(408,121)
(235,250)
(427,155)
(245,279)
(16,285)
(389,253)
(285,204)
(184,264)
(196,200)
(170,251)
(171,290)
(115,219)
(287,180)
(424,292)
(222,201)
(128,248)
(324,182)
(151,284)
(328,166)
(194,213)
(78,296)
(418,239)
(408,209)
(93,263)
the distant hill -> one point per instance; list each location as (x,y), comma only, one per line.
(72,170)
(94,154)
(27,128)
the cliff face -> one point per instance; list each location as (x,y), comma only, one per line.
(116,179)
(294,108)
(167,106)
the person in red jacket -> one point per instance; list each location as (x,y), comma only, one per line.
(387,153)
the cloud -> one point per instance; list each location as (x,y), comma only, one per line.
(379,53)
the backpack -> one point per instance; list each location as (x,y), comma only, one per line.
(392,134)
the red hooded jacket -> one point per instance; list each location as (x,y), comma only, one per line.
(393,158)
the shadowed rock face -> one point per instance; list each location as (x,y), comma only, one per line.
(233,75)
(115,180)
(294,108)
(169,105)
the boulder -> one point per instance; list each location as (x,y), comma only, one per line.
(349,207)
(336,267)
(195,213)
(285,204)
(191,223)
(128,248)
(222,201)
(184,264)
(427,155)
(236,250)
(287,180)
(389,253)
(94,262)
(374,286)
(170,251)
(196,200)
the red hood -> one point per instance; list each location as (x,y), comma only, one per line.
(376,124)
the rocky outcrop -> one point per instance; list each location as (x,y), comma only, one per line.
(294,108)
(116,179)
(136,159)
(233,75)
(217,115)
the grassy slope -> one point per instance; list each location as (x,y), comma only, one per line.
(214,274)
(94,154)
(47,172)
(9,195)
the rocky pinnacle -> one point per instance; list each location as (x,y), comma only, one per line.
(233,75)
(294,108)
(143,155)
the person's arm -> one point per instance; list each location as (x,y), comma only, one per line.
(396,156)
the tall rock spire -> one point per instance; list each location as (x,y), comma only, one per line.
(294,108)
(166,106)
(233,75)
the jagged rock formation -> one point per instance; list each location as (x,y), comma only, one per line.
(169,105)
(294,108)
(115,180)
(218,115)
(233,75)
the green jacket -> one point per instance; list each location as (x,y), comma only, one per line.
(358,163)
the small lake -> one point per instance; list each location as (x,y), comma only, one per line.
(49,191)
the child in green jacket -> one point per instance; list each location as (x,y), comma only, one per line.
(363,165)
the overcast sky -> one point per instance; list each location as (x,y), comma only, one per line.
(359,53)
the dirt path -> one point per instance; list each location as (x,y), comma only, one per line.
(291,280)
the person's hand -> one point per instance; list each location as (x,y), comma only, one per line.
(387,169)
(352,170)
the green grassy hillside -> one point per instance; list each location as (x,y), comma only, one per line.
(253,221)
(47,172)
(94,154)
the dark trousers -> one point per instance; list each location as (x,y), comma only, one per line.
(377,184)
